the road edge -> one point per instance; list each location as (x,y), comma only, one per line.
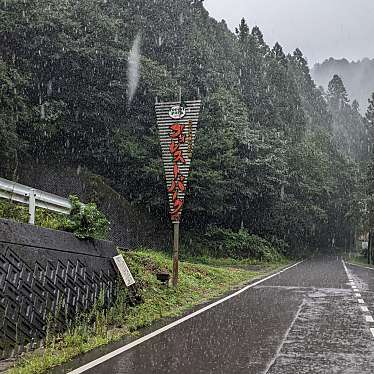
(360,266)
(171,325)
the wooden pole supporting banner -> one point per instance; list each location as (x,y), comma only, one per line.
(369,248)
(176,254)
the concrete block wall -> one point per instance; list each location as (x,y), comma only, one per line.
(48,274)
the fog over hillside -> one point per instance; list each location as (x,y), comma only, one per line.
(358,77)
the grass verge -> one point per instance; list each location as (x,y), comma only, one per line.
(198,284)
(359,260)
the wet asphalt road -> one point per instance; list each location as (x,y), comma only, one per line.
(305,320)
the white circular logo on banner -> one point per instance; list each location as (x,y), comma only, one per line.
(177,112)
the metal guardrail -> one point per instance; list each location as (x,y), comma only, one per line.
(33,198)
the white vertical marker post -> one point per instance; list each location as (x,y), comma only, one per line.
(32,207)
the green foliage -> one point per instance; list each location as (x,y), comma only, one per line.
(337,93)
(86,221)
(11,108)
(348,127)
(20,213)
(370,110)
(16,212)
(239,245)
(272,153)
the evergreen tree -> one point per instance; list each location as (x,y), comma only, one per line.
(278,54)
(314,106)
(369,119)
(370,110)
(284,96)
(347,126)
(242,31)
(337,94)
(11,112)
(260,42)
(355,106)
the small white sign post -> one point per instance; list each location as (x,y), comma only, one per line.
(124,270)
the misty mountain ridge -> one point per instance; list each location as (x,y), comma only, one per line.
(358,77)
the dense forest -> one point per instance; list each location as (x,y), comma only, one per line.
(275,155)
(358,77)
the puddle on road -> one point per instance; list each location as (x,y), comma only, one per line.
(329,335)
(329,292)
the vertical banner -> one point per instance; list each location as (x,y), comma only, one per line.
(177,125)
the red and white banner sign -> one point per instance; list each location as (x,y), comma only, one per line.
(177,124)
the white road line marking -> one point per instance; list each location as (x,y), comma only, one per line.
(143,339)
(271,363)
(368,318)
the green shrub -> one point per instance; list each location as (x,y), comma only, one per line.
(86,221)
(10,210)
(218,242)
(282,246)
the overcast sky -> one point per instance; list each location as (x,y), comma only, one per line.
(320,28)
